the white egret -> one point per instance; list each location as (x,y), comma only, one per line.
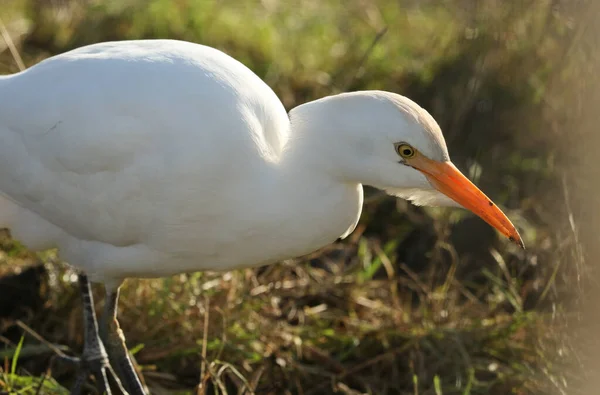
(156,157)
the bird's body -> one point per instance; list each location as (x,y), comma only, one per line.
(127,158)
(151,158)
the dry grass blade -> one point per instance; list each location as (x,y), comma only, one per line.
(359,65)
(201,386)
(39,338)
(11,46)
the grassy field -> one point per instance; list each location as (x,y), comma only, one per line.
(417,300)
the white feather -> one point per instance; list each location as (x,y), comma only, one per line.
(423,197)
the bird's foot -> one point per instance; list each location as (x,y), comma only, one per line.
(94,359)
(95,362)
(120,359)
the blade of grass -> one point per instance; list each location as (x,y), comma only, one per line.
(15,358)
(437,385)
(467,390)
(11,46)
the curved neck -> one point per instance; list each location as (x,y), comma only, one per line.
(315,206)
(318,144)
(308,149)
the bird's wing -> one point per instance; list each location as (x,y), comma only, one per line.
(92,146)
(110,140)
(74,161)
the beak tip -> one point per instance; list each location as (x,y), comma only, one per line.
(517,240)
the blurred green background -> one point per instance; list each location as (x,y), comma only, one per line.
(417,300)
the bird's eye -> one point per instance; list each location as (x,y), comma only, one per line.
(405,150)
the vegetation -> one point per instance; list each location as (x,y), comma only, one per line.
(417,300)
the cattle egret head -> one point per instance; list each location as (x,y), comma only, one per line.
(389,142)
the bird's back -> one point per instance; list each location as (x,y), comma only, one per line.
(102,143)
(129,78)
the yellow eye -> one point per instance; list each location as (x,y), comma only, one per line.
(405,150)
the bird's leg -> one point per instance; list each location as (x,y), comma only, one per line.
(114,340)
(94,358)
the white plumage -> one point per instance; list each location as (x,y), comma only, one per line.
(151,158)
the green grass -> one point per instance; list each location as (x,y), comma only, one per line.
(14,383)
(416,301)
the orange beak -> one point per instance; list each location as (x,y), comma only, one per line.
(446,178)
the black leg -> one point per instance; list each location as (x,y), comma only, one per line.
(113,338)
(94,359)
